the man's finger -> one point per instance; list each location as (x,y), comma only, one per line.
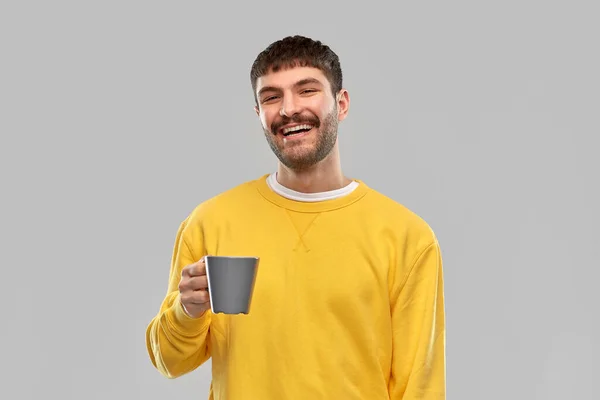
(199,297)
(195,269)
(198,282)
(198,269)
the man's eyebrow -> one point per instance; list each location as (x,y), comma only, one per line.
(307,81)
(301,82)
(267,89)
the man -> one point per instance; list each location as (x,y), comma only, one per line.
(348,301)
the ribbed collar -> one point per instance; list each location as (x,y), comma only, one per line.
(310,207)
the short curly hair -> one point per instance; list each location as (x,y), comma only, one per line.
(298,51)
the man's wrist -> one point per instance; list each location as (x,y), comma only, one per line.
(184,322)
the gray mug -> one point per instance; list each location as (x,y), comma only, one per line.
(231,283)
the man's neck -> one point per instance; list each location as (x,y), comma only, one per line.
(320,178)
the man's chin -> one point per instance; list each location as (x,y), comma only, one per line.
(298,161)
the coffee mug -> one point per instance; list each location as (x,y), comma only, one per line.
(231,282)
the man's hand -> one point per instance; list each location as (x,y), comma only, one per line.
(194,289)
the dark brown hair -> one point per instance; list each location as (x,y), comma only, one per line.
(298,51)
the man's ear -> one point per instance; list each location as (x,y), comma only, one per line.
(256,110)
(343,103)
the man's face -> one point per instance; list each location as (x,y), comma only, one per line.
(299,115)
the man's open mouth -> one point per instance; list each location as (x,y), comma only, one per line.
(294,130)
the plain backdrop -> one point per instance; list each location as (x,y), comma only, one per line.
(118,117)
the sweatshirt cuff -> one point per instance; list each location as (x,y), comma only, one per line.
(186,324)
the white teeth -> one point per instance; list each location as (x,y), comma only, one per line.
(296,128)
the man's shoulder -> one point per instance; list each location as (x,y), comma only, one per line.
(226,200)
(397,215)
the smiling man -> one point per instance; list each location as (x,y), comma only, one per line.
(349,297)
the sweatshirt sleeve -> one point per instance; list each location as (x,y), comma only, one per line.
(177,343)
(419,334)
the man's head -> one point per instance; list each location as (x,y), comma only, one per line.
(297,83)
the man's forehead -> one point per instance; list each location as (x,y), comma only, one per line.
(287,77)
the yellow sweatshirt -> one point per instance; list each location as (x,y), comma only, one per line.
(348,301)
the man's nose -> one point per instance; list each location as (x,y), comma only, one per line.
(289,107)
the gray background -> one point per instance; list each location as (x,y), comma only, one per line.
(118,117)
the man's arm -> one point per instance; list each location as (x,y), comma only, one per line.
(177,343)
(419,334)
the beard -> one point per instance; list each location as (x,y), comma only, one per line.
(299,156)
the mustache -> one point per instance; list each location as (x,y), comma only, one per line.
(297,119)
